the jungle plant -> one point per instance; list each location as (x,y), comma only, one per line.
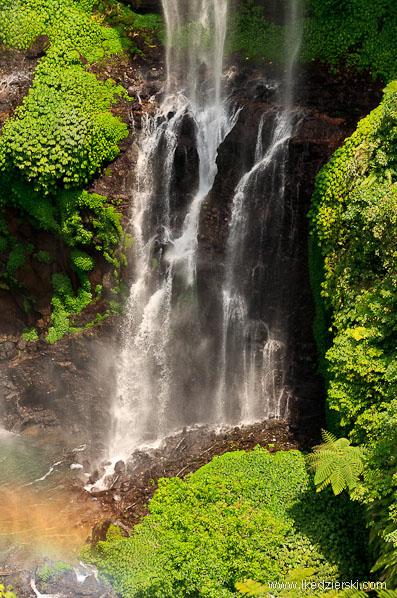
(6,592)
(353,221)
(50,570)
(244,515)
(30,335)
(251,588)
(57,140)
(337,463)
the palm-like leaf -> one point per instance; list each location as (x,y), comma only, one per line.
(250,588)
(336,462)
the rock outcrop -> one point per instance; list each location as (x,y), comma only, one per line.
(62,384)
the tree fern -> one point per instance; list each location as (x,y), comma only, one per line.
(336,462)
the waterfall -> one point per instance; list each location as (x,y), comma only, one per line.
(253,357)
(166,377)
(161,345)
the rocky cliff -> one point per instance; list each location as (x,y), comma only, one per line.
(62,384)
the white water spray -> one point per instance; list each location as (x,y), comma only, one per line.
(164,358)
(163,295)
(253,357)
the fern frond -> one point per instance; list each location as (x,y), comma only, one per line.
(387,594)
(337,463)
(299,574)
(328,437)
(338,481)
(250,588)
(351,593)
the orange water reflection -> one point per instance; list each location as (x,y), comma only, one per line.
(53,523)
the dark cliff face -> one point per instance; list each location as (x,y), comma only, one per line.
(73,381)
(145,6)
(274,269)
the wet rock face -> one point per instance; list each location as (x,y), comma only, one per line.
(275,252)
(70,384)
(62,384)
(145,6)
(16,76)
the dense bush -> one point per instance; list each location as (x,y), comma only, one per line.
(359,32)
(58,139)
(354,223)
(354,218)
(244,515)
(126,22)
(253,36)
(6,592)
(63,132)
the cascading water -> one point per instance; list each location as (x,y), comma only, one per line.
(166,374)
(162,345)
(253,358)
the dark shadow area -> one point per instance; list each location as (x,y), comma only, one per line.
(337,526)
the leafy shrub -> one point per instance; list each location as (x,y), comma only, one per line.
(43,257)
(81,260)
(49,571)
(126,22)
(242,515)
(354,219)
(65,304)
(58,139)
(360,32)
(253,36)
(61,134)
(354,214)
(16,259)
(6,593)
(3,244)
(30,335)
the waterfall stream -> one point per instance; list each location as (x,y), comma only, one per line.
(165,371)
(161,340)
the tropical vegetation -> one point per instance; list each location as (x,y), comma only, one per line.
(244,515)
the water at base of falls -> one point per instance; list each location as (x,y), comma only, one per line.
(39,515)
(168,374)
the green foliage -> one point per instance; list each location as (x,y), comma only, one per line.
(30,335)
(354,216)
(16,258)
(252,588)
(3,244)
(293,582)
(43,257)
(244,515)
(66,303)
(57,140)
(359,32)
(254,37)
(62,134)
(49,571)
(354,219)
(67,23)
(6,592)
(127,23)
(337,463)
(391,87)
(81,260)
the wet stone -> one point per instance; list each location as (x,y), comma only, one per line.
(119,467)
